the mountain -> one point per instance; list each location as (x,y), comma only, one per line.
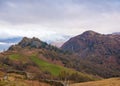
(82,58)
(54,39)
(42,60)
(58,40)
(116,33)
(98,50)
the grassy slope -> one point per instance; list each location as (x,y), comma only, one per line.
(55,69)
(18,57)
(105,82)
(46,66)
(14,56)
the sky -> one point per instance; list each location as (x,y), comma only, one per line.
(52,19)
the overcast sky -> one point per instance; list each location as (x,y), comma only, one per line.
(44,18)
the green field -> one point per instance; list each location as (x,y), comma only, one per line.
(52,68)
(55,70)
(15,56)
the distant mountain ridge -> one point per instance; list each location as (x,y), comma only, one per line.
(116,33)
(11,40)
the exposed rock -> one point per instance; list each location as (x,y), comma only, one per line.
(30,42)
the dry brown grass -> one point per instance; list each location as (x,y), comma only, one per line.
(18,80)
(105,82)
(35,83)
(23,83)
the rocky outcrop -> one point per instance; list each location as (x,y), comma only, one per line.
(30,42)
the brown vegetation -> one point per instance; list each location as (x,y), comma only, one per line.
(106,82)
(95,53)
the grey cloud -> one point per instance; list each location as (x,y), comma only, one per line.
(33,11)
(66,14)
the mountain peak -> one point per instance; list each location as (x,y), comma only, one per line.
(30,39)
(90,33)
(29,42)
(91,42)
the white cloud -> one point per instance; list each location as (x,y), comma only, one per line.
(7,44)
(29,30)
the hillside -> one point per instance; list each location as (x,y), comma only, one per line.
(41,60)
(96,52)
(106,82)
